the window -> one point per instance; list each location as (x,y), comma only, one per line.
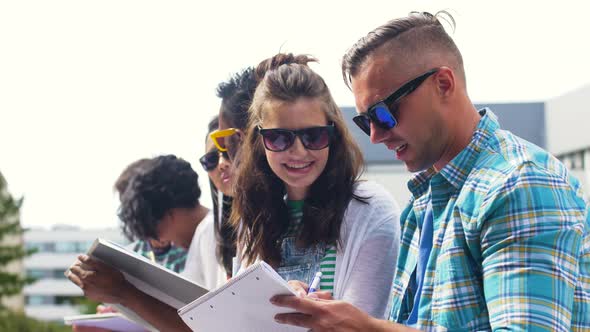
(39,274)
(84,246)
(66,247)
(41,246)
(59,274)
(39,300)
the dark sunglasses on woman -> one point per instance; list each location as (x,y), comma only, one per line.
(382,112)
(312,138)
(210,160)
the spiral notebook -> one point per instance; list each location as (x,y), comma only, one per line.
(242,304)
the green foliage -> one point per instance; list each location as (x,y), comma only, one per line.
(10,283)
(86,305)
(19,323)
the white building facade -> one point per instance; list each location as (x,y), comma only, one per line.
(52,296)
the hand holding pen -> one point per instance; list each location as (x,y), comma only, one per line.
(302,290)
(315,283)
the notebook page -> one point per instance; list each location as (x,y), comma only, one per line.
(242,304)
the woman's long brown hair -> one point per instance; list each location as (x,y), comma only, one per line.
(259,213)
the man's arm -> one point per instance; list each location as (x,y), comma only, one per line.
(102,283)
(328,316)
(530,240)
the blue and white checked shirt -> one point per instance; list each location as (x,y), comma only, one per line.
(511,244)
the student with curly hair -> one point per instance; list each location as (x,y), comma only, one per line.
(160,202)
(164,253)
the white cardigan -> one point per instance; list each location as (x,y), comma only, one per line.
(365,264)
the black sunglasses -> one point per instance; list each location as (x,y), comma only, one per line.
(210,160)
(382,112)
(312,138)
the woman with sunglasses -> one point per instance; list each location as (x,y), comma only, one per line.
(218,168)
(299,204)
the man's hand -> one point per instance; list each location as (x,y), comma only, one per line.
(99,281)
(323,315)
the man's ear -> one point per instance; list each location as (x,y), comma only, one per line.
(445,81)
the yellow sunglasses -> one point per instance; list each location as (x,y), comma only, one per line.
(219,136)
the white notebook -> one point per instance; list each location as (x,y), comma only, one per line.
(242,304)
(147,276)
(109,321)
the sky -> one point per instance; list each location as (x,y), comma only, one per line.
(86,87)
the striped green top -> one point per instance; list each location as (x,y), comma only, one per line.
(328,263)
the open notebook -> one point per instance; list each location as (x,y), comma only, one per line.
(109,321)
(149,277)
(242,304)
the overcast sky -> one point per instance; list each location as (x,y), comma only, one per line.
(87,87)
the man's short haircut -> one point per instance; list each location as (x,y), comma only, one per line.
(418,33)
(236,96)
(166,183)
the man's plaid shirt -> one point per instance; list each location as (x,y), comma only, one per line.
(511,244)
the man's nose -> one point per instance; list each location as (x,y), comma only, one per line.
(378,134)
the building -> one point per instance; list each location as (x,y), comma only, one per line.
(567,119)
(52,296)
(557,125)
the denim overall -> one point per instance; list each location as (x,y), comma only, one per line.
(298,263)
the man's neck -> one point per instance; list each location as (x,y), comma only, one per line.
(198,214)
(466,121)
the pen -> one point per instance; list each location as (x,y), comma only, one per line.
(152,256)
(315,283)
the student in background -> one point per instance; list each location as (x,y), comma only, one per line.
(160,202)
(211,234)
(299,204)
(236,96)
(164,253)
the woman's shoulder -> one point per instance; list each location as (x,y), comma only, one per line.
(372,198)
(373,209)
(372,192)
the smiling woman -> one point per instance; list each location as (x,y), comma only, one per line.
(299,204)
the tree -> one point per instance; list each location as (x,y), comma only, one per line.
(10,283)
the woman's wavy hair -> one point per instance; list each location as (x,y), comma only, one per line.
(259,212)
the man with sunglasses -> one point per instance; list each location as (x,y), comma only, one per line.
(236,96)
(496,235)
